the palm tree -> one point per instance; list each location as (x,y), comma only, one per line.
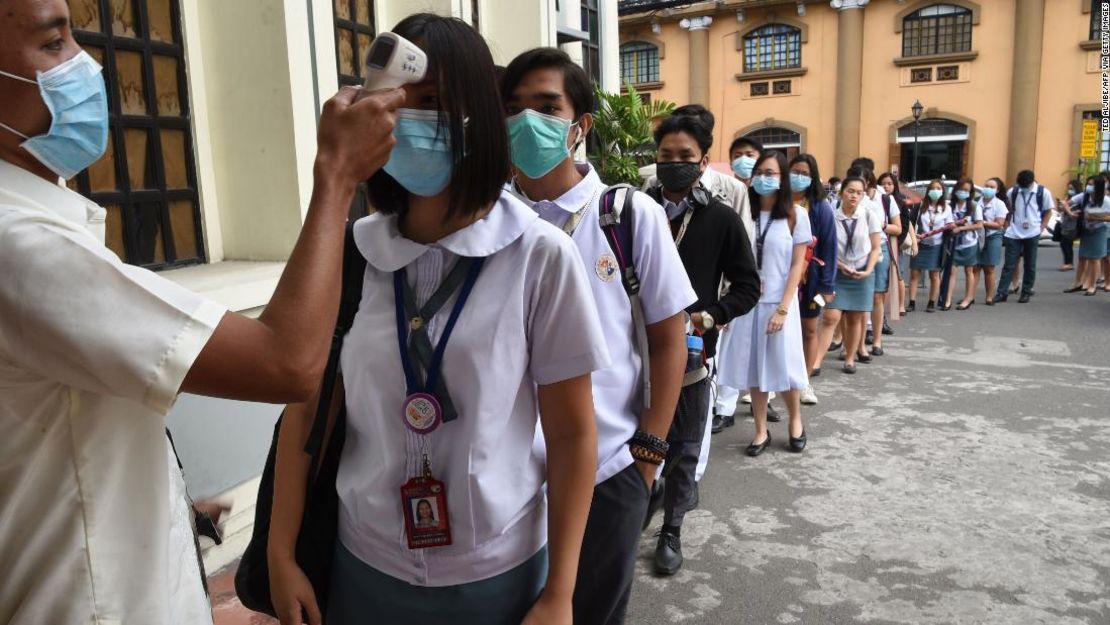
(623,128)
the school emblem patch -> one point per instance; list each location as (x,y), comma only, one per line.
(606,268)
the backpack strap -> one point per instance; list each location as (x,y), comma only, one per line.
(354,270)
(615,215)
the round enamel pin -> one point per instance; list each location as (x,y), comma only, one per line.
(606,268)
(423,413)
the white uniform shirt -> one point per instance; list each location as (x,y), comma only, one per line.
(530,320)
(969,238)
(933,217)
(1026,222)
(877,206)
(778,251)
(664,292)
(96,528)
(1102,210)
(993,210)
(866,223)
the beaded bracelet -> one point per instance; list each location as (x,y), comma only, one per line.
(651,442)
(646,454)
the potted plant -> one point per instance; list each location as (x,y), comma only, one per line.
(623,128)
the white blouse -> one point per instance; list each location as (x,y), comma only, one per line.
(853,234)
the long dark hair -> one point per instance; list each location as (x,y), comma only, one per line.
(816,192)
(970,196)
(1096,198)
(784,199)
(1002,192)
(942,202)
(466,85)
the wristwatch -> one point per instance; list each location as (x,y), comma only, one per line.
(707,321)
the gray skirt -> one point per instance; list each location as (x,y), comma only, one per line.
(854,295)
(361,594)
(1092,245)
(966,257)
(928,258)
(991,254)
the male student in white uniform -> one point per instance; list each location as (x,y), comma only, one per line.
(548,99)
(1031,207)
(93,352)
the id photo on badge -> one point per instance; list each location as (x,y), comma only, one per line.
(426,514)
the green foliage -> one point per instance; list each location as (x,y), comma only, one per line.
(1086,168)
(623,130)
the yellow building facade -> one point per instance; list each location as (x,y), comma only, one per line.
(1005,85)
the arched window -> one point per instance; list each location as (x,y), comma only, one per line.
(936,29)
(774,46)
(639,63)
(784,140)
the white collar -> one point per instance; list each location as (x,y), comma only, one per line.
(576,197)
(36,192)
(385,249)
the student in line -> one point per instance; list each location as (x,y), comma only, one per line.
(769,337)
(934,215)
(994,213)
(857,253)
(96,523)
(1092,241)
(742,154)
(1067,244)
(889,187)
(1073,208)
(548,98)
(820,277)
(891,218)
(966,249)
(1031,206)
(458,265)
(713,245)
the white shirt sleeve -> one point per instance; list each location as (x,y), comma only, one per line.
(1049,203)
(664,286)
(874,221)
(72,312)
(803,233)
(564,331)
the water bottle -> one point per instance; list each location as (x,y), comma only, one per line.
(694,346)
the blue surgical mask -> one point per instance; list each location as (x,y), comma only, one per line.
(988,193)
(743,166)
(935,194)
(765,185)
(421,160)
(962,195)
(77,98)
(800,182)
(1090,189)
(538,142)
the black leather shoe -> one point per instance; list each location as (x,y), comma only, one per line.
(835,346)
(798,444)
(755,449)
(668,554)
(864,358)
(946,307)
(887,330)
(720,422)
(877,351)
(869,338)
(999,298)
(772,414)
(931,307)
(816,372)
(1024,299)
(911,307)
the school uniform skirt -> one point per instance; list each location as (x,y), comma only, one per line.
(854,295)
(928,257)
(882,271)
(1092,245)
(991,254)
(966,256)
(770,362)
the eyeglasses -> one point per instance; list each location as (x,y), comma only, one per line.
(852,192)
(766,172)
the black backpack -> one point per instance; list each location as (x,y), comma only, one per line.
(319,523)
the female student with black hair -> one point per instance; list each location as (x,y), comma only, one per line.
(966,249)
(992,209)
(820,276)
(891,219)
(768,340)
(1095,213)
(934,215)
(857,253)
(475,316)
(889,186)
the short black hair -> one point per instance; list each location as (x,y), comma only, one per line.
(1025,177)
(742,141)
(833,180)
(699,111)
(576,84)
(692,126)
(462,65)
(863,173)
(815,193)
(863,161)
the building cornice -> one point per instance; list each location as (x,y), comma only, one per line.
(933,59)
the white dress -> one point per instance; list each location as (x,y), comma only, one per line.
(770,362)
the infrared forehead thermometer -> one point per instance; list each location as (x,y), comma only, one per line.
(392,62)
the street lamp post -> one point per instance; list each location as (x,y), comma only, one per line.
(917,109)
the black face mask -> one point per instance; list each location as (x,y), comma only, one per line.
(678,176)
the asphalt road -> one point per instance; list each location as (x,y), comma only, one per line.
(962,478)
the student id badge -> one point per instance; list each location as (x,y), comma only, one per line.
(424,503)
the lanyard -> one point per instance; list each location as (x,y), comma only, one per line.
(464,274)
(685,222)
(759,243)
(1026,199)
(576,218)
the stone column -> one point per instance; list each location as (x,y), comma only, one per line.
(699,58)
(849,80)
(1025,90)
